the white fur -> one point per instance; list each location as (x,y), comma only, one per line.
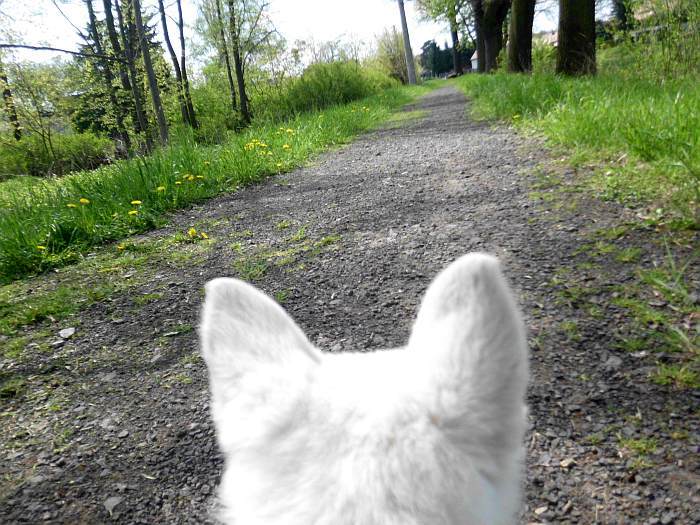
(430,434)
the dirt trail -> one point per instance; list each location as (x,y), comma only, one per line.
(349,244)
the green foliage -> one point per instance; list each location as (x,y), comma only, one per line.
(665,43)
(391,55)
(55,154)
(650,130)
(320,86)
(544,57)
(50,224)
(212,101)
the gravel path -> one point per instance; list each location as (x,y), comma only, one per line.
(349,244)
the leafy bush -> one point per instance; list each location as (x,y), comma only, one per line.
(320,86)
(60,154)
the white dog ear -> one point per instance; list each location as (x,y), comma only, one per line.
(470,332)
(243,330)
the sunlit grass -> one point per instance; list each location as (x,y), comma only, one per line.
(51,223)
(644,135)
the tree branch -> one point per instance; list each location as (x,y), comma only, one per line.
(59,50)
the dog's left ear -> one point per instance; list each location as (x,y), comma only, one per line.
(243,331)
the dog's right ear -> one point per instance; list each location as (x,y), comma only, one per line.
(469,329)
(243,331)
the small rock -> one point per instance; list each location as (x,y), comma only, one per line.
(566,463)
(35,480)
(111,503)
(541,510)
(613,363)
(668,517)
(123,433)
(67,333)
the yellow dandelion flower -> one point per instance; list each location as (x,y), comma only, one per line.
(71,205)
(290,130)
(192,232)
(279,164)
(286,146)
(83,200)
(135,202)
(40,247)
(160,188)
(120,246)
(204,235)
(200,176)
(190,177)
(133,212)
(178,182)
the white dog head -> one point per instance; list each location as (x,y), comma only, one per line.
(430,434)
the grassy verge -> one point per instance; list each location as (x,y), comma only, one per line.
(643,136)
(641,275)
(53,223)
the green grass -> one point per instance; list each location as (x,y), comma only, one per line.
(282,296)
(662,310)
(253,266)
(55,222)
(640,446)
(643,135)
(679,376)
(58,296)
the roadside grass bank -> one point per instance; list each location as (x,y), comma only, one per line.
(642,136)
(52,223)
(641,274)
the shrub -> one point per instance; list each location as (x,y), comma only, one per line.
(61,154)
(320,86)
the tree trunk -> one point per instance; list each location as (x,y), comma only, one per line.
(410,66)
(152,81)
(456,56)
(478,13)
(10,105)
(576,40)
(224,52)
(495,12)
(237,62)
(122,55)
(183,68)
(141,122)
(107,76)
(522,15)
(176,66)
